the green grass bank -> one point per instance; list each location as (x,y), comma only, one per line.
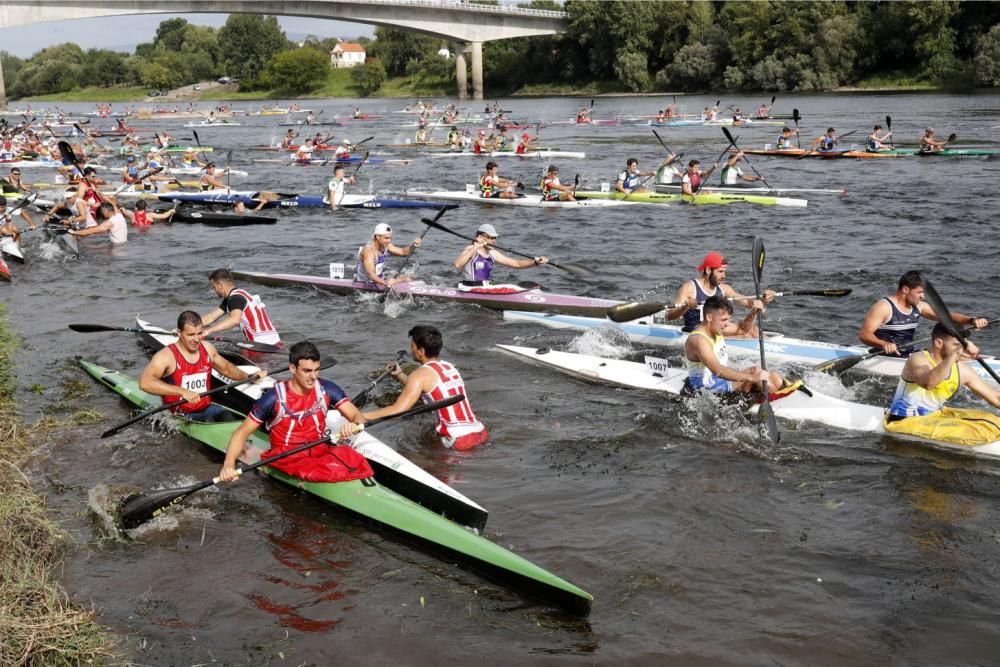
(38,623)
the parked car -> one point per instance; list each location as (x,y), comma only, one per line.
(154,93)
(223,80)
(197,87)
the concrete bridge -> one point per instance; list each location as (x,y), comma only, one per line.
(466,25)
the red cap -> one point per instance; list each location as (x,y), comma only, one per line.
(713,260)
(525,136)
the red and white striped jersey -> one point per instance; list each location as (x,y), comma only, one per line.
(456,420)
(254,322)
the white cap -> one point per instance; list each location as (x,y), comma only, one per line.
(381,229)
(487,229)
(346,142)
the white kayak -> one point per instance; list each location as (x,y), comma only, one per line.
(778,347)
(531,155)
(11,248)
(209,123)
(417,480)
(749,189)
(532,200)
(657,375)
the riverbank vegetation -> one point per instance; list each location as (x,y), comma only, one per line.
(38,624)
(692,46)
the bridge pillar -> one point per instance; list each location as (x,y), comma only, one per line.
(477,70)
(3,90)
(461,72)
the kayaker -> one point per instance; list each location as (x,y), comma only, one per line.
(762,112)
(668,173)
(707,359)
(481,144)
(492,185)
(87,192)
(928,381)
(712,282)
(876,140)
(457,426)
(503,140)
(583,115)
(335,188)
(209,180)
(827,142)
(784,140)
(891,322)
(12,185)
(692,180)
(454,138)
(343,151)
(305,151)
(476,261)
(289,139)
(110,221)
(181,371)
(240,309)
(7,226)
(295,412)
(629,178)
(731,173)
(130,172)
(421,136)
(526,144)
(373,255)
(81,215)
(190,159)
(928,144)
(143,217)
(552,189)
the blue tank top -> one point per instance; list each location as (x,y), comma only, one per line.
(900,327)
(478,268)
(827,144)
(132,171)
(629,181)
(692,316)
(870,145)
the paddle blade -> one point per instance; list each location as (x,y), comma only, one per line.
(194,133)
(766,413)
(888,122)
(574,269)
(758,262)
(841,364)
(137,509)
(796,116)
(92,328)
(260,347)
(626,312)
(941,310)
(729,136)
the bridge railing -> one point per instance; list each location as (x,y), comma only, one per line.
(470,6)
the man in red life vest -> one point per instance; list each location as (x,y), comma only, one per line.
(435,380)
(183,370)
(295,414)
(239,308)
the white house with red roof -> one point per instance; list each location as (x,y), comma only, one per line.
(347,54)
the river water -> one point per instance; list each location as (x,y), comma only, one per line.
(701,542)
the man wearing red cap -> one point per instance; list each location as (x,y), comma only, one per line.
(526,144)
(482,144)
(694,293)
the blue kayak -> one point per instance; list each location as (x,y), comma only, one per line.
(281,200)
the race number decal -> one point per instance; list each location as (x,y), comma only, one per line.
(197,382)
(657,367)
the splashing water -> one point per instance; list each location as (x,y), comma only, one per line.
(602,342)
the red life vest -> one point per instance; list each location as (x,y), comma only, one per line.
(254,322)
(195,376)
(298,420)
(695,182)
(141,219)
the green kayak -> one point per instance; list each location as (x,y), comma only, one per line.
(369,501)
(701,198)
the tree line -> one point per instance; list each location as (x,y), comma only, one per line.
(690,46)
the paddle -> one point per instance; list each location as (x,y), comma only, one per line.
(944,317)
(573,269)
(253,347)
(888,128)
(773,98)
(766,412)
(626,312)
(194,133)
(360,164)
(66,151)
(732,142)
(842,364)
(361,398)
(795,117)
(140,508)
(229,159)
(662,143)
(444,209)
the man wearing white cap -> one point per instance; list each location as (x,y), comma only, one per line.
(372,257)
(928,144)
(343,150)
(476,261)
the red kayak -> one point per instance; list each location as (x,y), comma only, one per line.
(4,270)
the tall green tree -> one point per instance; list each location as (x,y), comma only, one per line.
(248,41)
(297,71)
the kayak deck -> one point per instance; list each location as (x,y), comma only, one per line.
(370,502)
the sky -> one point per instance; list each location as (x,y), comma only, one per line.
(122,33)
